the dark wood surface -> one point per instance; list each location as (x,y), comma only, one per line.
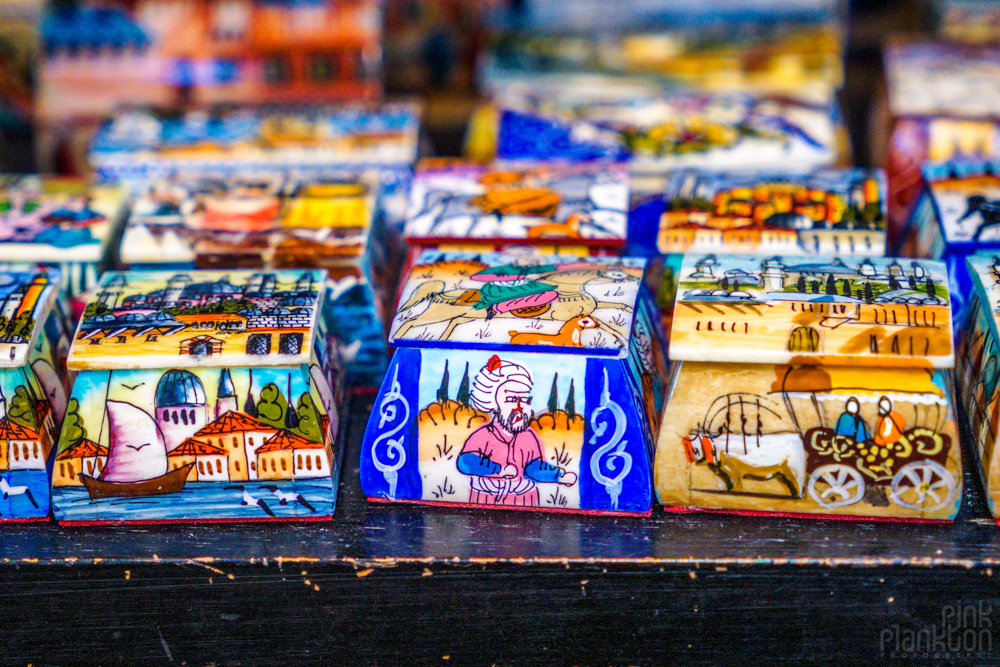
(385,584)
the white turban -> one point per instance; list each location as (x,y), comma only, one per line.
(490,377)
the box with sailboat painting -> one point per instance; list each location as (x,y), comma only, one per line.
(519,382)
(200,396)
(811,385)
(274,220)
(32,387)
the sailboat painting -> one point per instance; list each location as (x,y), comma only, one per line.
(197,444)
(201,439)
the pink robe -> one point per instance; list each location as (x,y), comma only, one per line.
(488,441)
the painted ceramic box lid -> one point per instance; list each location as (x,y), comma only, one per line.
(352,134)
(56,219)
(966,197)
(523,302)
(676,129)
(938,79)
(27,294)
(815,310)
(775,211)
(579,204)
(160,319)
(274,218)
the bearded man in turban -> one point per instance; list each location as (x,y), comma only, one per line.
(504,456)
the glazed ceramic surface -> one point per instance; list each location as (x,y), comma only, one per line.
(828,211)
(140,144)
(201,396)
(63,222)
(792,396)
(958,214)
(273,220)
(32,389)
(979,369)
(676,129)
(548,205)
(519,384)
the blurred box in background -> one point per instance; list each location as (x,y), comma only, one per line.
(183,54)
(18,53)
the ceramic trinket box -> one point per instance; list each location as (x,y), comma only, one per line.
(811,385)
(669,131)
(65,222)
(957,214)
(825,211)
(519,382)
(274,221)
(200,396)
(32,388)
(979,369)
(577,208)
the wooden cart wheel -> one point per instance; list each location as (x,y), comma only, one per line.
(836,485)
(926,486)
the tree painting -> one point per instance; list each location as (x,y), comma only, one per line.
(869,295)
(845,288)
(271,406)
(73,430)
(571,401)
(831,285)
(800,286)
(931,287)
(442,392)
(554,395)
(22,409)
(463,389)
(309,422)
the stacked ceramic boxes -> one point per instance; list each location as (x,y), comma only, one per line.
(296,167)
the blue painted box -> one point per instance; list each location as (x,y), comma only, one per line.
(956,215)
(520,381)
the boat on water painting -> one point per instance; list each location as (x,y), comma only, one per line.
(208,437)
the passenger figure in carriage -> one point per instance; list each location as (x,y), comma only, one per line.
(851,425)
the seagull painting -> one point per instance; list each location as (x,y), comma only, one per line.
(250,500)
(7,490)
(284,497)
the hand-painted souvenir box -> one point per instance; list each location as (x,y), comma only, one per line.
(979,369)
(827,211)
(677,129)
(811,385)
(940,104)
(275,221)
(548,208)
(32,388)
(957,214)
(63,222)
(519,382)
(137,146)
(201,396)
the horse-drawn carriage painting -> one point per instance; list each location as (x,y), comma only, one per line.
(581,205)
(521,381)
(979,370)
(815,423)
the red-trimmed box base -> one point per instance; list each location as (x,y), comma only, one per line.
(154,522)
(519,508)
(804,515)
(24,519)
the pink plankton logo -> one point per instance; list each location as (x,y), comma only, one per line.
(965,631)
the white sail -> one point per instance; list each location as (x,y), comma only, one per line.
(136,451)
